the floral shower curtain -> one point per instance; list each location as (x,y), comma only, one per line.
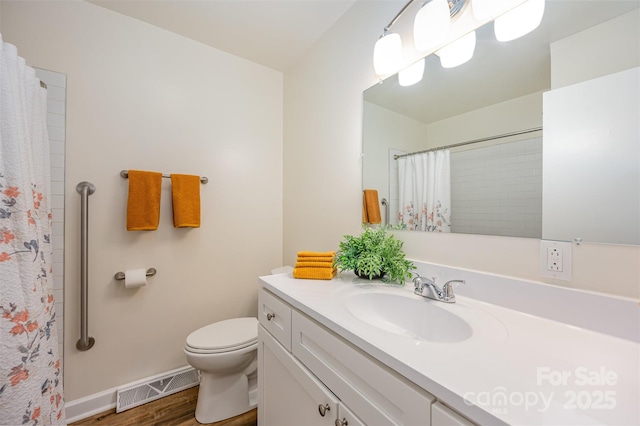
(425,191)
(30,370)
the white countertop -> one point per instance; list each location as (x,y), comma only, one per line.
(516,368)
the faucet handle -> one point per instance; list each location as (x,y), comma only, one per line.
(447,289)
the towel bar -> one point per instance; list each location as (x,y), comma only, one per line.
(125,174)
(121,275)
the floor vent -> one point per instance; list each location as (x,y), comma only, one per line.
(156,387)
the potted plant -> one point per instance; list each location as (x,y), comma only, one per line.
(374,254)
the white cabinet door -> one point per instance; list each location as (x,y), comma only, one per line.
(377,395)
(288,394)
(347,418)
(441,415)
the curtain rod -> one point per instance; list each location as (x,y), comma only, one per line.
(455,145)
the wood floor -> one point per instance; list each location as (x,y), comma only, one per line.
(174,410)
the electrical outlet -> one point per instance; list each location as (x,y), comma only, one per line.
(555,259)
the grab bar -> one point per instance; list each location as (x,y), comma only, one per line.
(386,211)
(85,342)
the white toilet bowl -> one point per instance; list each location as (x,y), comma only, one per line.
(225,352)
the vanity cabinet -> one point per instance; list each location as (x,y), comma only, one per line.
(290,394)
(441,415)
(309,376)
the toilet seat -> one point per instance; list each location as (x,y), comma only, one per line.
(224,336)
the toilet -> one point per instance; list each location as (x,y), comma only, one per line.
(225,352)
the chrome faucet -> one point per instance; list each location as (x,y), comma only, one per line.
(426,287)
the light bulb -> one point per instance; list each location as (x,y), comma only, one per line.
(519,21)
(411,74)
(387,54)
(431,25)
(458,52)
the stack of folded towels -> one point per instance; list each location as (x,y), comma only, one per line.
(315,265)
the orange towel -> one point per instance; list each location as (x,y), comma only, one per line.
(314,273)
(316,254)
(316,259)
(303,264)
(370,207)
(185,194)
(143,204)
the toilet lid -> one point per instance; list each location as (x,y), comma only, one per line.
(225,335)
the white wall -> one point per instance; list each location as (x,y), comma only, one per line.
(143,98)
(602,115)
(603,49)
(322,181)
(384,129)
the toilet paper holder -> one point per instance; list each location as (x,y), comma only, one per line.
(150,272)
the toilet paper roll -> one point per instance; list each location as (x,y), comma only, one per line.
(135,278)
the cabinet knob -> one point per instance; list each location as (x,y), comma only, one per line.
(322,409)
(270,317)
(342,422)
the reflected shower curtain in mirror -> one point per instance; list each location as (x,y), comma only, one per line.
(424,191)
(30,371)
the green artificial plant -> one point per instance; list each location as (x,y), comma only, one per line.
(373,254)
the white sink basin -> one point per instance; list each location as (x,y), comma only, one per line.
(408,317)
(398,311)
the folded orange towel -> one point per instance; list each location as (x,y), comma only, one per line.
(303,264)
(316,259)
(185,194)
(316,253)
(314,273)
(370,207)
(143,203)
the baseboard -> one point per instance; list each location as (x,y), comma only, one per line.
(97,403)
(90,405)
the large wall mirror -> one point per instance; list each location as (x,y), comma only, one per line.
(548,126)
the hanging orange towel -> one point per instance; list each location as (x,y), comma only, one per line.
(185,194)
(143,204)
(370,207)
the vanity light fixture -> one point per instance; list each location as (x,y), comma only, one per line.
(458,52)
(431,24)
(519,21)
(411,74)
(431,27)
(387,54)
(485,9)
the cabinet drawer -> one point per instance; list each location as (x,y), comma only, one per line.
(275,317)
(375,393)
(441,415)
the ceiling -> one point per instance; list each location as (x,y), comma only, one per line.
(274,33)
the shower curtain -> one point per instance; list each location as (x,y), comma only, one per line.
(30,371)
(424,191)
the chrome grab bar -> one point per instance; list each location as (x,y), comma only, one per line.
(85,342)
(385,203)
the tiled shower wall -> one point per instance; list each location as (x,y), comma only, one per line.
(56,119)
(497,190)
